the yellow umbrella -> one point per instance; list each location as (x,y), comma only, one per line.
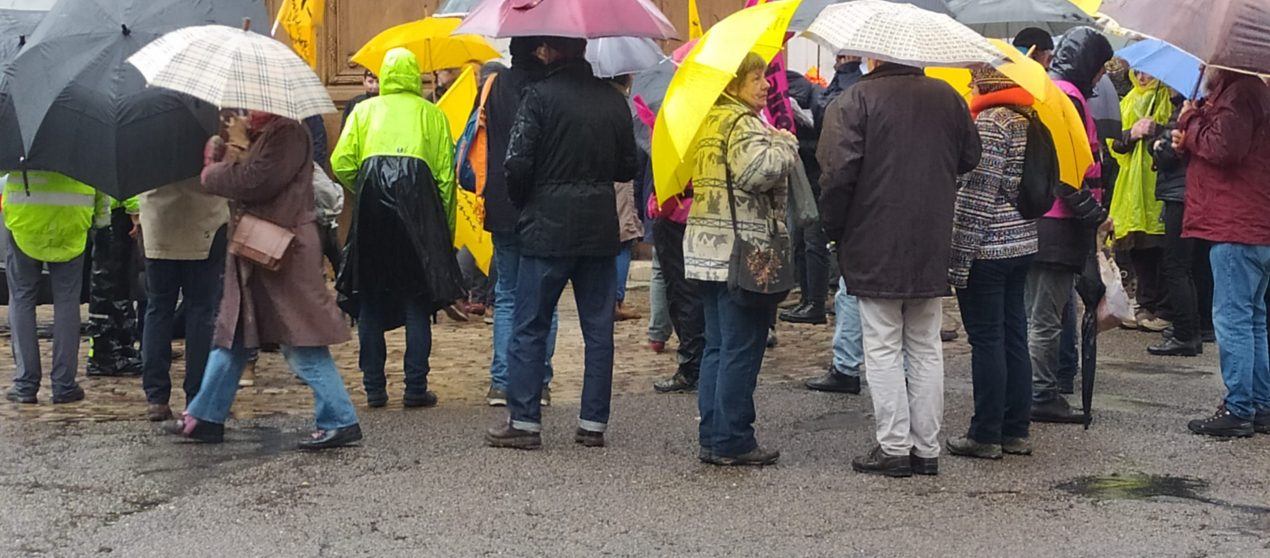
(469,208)
(705,71)
(1053,107)
(430,40)
(1090,6)
(458,102)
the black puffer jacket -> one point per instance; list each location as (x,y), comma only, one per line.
(572,139)
(1170,182)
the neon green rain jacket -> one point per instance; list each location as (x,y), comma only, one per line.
(398,122)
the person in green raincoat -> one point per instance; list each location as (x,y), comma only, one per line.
(1134,207)
(397,155)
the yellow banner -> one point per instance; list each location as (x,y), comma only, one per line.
(300,18)
(469,228)
(694,21)
(458,101)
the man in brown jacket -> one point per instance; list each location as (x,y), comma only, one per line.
(890,209)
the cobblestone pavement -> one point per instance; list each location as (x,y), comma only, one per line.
(460,368)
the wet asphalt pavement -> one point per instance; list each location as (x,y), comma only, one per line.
(423,484)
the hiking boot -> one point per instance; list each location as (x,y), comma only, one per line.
(835,382)
(505,436)
(496,397)
(75,394)
(621,314)
(1056,410)
(927,466)
(877,462)
(966,447)
(757,457)
(18,397)
(805,313)
(1172,346)
(589,438)
(545,400)
(158,412)
(1222,425)
(376,398)
(416,400)
(1261,422)
(675,384)
(1016,446)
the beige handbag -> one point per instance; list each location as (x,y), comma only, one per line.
(260,242)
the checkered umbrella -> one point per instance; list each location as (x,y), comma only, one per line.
(900,33)
(232,68)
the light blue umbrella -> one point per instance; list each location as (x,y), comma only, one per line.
(615,56)
(1173,66)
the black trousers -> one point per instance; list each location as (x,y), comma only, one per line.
(687,312)
(812,260)
(112,317)
(1151,285)
(1188,279)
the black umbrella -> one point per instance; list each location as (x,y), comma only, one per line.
(1091,290)
(83,111)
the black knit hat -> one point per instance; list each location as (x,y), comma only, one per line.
(1034,37)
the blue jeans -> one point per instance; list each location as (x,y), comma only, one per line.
(332,407)
(1240,277)
(623,263)
(848,336)
(992,311)
(198,283)
(507,270)
(659,326)
(373,351)
(736,338)
(541,282)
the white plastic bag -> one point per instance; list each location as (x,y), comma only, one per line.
(1114,308)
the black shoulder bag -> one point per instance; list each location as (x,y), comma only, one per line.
(757,277)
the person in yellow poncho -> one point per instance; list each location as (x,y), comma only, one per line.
(1134,207)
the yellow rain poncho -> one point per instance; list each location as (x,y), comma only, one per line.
(1133,204)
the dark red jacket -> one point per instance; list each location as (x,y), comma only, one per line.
(1228,181)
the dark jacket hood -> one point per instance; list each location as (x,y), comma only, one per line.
(1080,56)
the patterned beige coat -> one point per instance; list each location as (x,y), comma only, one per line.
(761,159)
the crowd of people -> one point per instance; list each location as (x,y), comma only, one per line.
(934,205)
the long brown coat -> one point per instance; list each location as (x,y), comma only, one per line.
(291,306)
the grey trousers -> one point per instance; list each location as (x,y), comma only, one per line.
(1047,291)
(66,279)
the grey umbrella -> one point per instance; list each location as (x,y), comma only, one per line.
(86,113)
(456,8)
(18,20)
(1003,19)
(809,9)
(650,85)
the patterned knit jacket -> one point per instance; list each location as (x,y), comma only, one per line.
(986,224)
(761,159)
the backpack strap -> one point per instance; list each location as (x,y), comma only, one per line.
(485,89)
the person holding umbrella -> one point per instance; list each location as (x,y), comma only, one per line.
(47,217)
(1227,138)
(397,151)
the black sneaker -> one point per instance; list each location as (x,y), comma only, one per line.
(588,438)
(1222,425)
(675,384)
(1261,423)
(835,382)
(1172,346)
(877,462)
(376,398)
(505,436)
(804,314)
(928,466)
(966,447)
(75,394)
(758,457)
(18,397)
(326,439)
(414,400)
(1067,384)
(1056,411)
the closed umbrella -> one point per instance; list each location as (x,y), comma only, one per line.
(616,56)
(586,19)
(1173,66)
(900,33)
(705,72)
(433,43)
(232,68)
(809,9)
(1005,18)
(83,112)
(1233,34)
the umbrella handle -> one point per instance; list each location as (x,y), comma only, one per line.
(1195,92)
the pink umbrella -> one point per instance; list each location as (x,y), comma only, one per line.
(586,19)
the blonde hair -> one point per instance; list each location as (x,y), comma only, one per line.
(751,62)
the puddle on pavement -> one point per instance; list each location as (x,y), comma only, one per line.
(1139,486)
(836,420)
(243,447)
(1155,368)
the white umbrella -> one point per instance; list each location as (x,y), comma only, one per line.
(615,56)
(233,68)
(900,33)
